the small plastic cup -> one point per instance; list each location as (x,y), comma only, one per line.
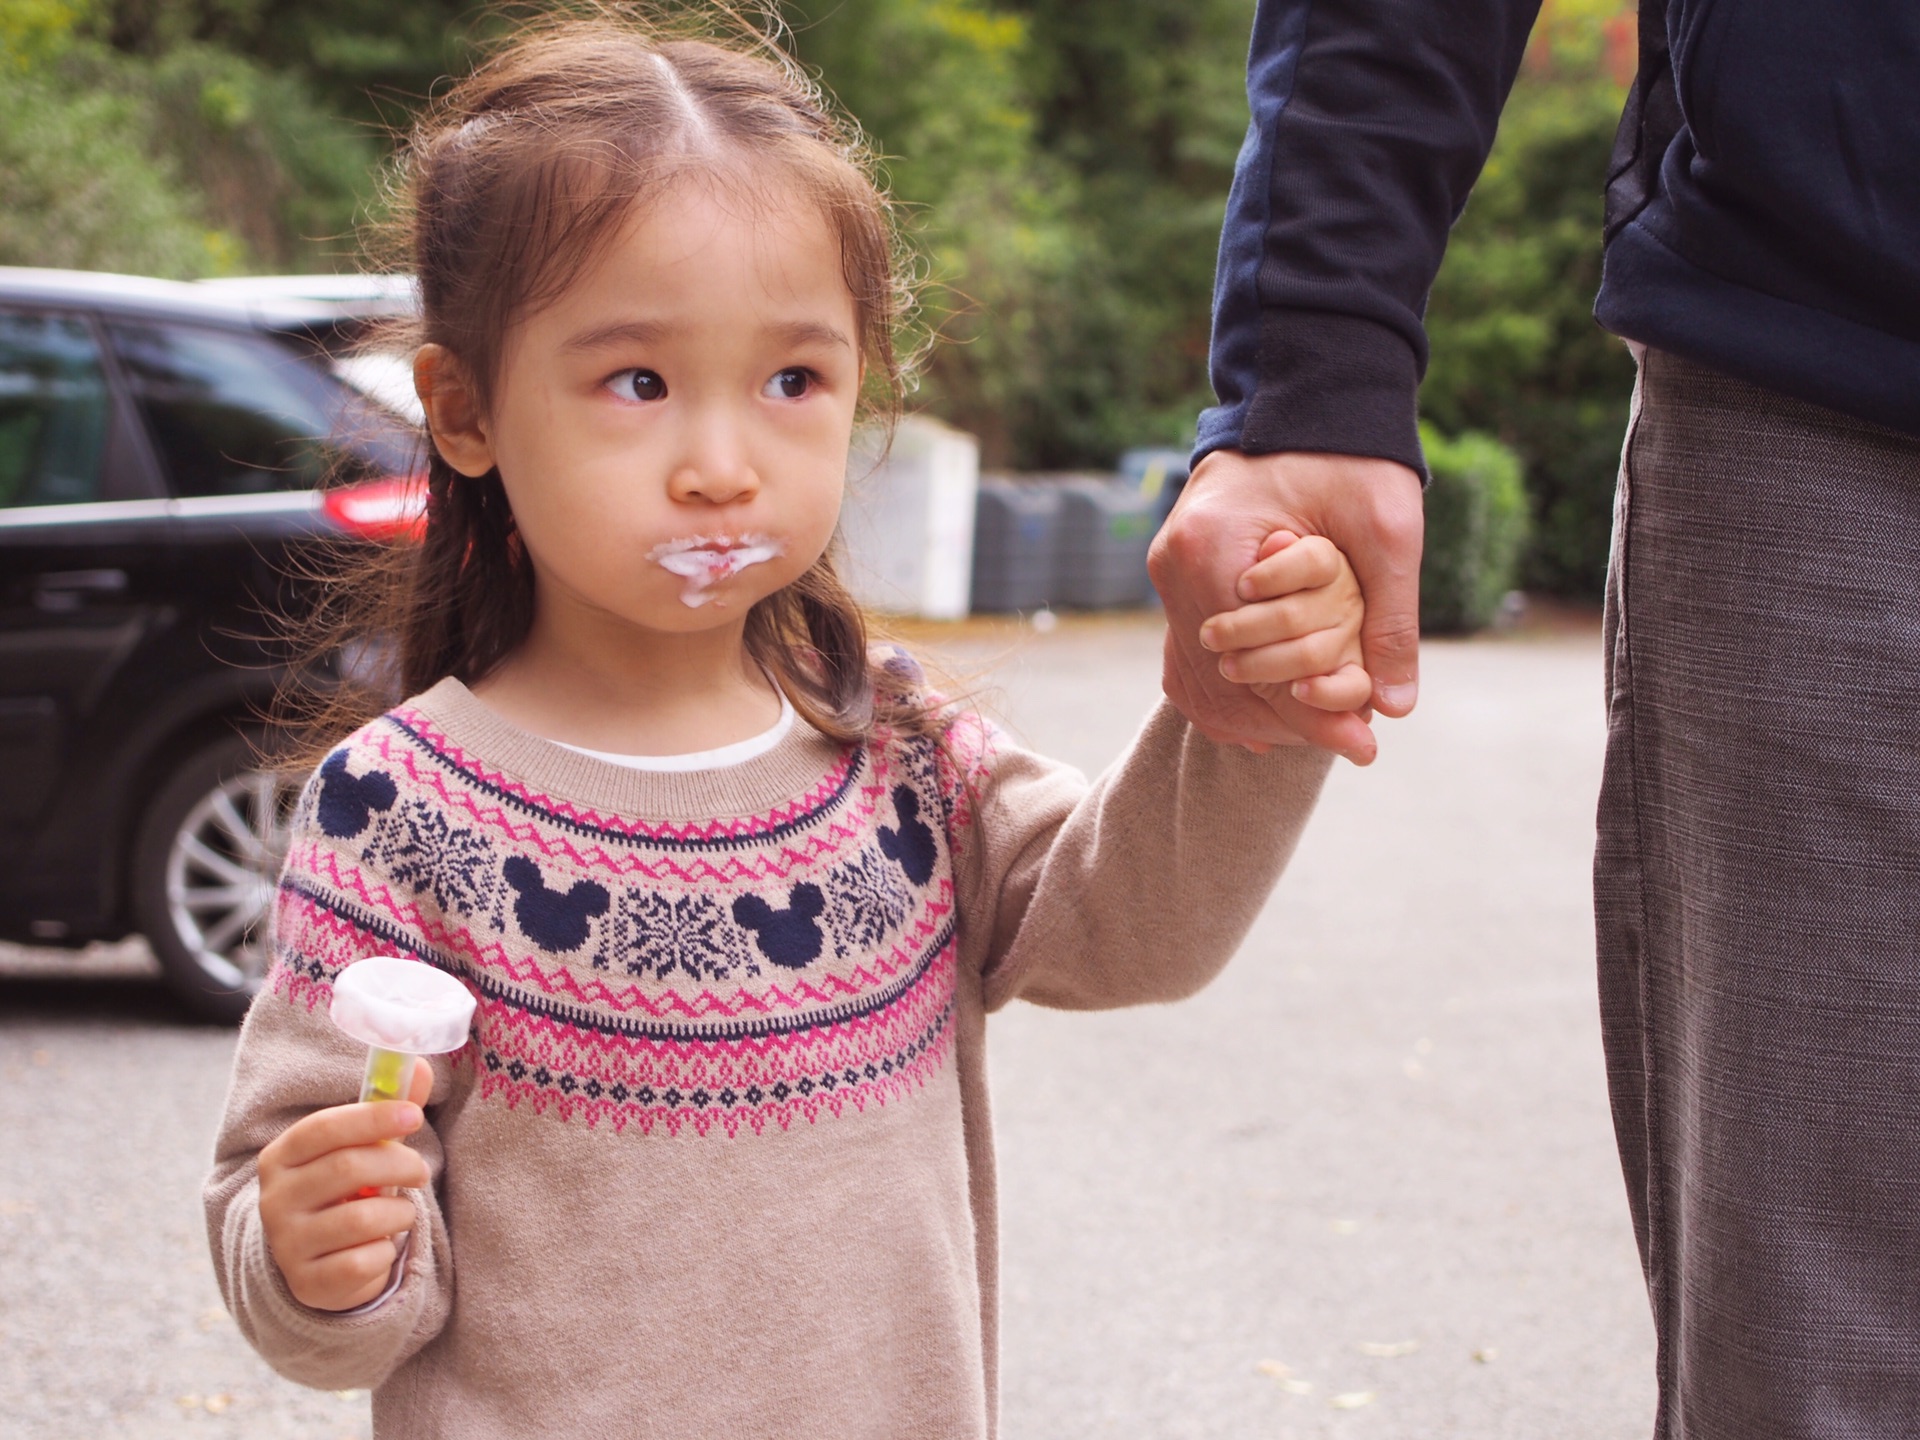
(399,1009)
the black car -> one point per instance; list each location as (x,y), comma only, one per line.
(162,451)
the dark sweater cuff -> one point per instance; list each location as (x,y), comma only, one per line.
(1337,384)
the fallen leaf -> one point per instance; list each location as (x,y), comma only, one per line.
(1486,1355)
(1388,1349)
(1282,1374)
(217,1403)
(1351,1400)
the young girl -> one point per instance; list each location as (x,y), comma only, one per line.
(734,898)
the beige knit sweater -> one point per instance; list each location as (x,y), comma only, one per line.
(717,1160)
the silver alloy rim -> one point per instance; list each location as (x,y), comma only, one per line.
(221,871)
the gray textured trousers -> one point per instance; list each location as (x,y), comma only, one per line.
(1757,894)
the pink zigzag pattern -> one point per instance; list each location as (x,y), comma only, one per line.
(674,1119)
(718,1061)
(890,1051)
(745,827)
(831,837)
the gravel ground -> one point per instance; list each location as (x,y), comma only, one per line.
(1362,1186)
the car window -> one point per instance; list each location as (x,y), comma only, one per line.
(53,410)
(231,413)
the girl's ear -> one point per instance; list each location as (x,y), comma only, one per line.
(454,418)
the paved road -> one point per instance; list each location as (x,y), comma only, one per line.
(1361,1187)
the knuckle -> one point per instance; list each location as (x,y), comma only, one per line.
(1394,636)
(1399,525)
(1317,553)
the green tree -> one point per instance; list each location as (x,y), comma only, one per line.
(83,188)
(1145,104)
(981,203)
(1067,166)
(186,161)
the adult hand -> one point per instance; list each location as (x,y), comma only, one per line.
(1370,508)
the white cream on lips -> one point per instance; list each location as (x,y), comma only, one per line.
(703,561)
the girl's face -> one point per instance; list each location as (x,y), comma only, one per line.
(672,431)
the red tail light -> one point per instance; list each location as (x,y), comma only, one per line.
(390,509)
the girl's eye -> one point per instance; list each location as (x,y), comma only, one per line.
(789,384)
(638,385)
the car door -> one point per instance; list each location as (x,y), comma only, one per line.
(246,428)
(83,547)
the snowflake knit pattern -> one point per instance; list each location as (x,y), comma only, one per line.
(715,975)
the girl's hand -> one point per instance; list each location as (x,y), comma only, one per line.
(1299,627)
(329,1226)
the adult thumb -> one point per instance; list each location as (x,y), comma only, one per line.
(1390,636)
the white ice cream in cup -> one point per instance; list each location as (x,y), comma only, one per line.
(399,1009)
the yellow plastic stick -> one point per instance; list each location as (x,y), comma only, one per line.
(388,1072)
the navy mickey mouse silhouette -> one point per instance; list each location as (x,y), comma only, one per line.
(789,937)
(553,919)
(911,846)
(347,802)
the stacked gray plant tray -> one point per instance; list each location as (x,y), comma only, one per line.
(1105,529)
(1016,532)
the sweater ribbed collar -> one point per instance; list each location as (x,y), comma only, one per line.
(789,770)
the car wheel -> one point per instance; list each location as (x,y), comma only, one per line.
(205,865)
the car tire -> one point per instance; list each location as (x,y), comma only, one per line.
(206,861)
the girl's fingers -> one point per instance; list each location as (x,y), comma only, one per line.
(1320,653)
(345,1278)
(342,1126)
(1348,688)
(347,1172)
(1269,622)
(1306,563)
(421,1086)
(1275,543)
(346,1227)
(340,1174)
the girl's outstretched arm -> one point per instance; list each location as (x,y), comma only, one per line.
(1136,888)
(291,1064)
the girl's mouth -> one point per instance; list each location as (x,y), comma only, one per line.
(703,561)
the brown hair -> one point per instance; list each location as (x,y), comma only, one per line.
(512,180)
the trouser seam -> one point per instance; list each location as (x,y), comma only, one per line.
(1659,1247)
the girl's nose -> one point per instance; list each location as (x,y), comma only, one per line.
(715,470)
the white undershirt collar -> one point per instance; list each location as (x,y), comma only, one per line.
(737,753)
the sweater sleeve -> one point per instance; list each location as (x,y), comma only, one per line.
(1136,888)
(290,1062)
(1370,120)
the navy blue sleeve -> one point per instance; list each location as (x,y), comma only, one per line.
(1370,121)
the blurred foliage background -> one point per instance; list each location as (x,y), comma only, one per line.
(1065,165)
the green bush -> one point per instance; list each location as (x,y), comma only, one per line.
(1476,528)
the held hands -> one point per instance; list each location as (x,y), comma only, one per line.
(328,1225)
(1298,628)
(1371,510)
